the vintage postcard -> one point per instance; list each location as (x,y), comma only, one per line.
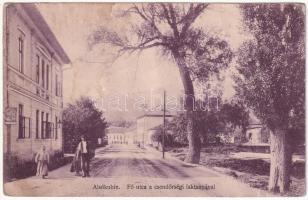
(154,99)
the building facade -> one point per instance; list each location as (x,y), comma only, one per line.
(145,125)
(33,101)
(257,134)
(121,135)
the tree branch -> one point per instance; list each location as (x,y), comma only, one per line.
(173,23)
(150,21)
(191,16)
(140,47)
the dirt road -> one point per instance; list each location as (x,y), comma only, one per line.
(130,171)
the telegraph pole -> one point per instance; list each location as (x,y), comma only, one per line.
(163,139)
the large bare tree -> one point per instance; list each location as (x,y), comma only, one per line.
(170,27)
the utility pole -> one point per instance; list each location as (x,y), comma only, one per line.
(163,139)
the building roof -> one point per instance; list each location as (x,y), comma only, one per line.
(253,119)
(40,22)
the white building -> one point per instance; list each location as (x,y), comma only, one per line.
(121,135)
(33,102)
(257,134)
(145,125)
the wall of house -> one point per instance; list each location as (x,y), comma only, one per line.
(146,123)
(149,137)
(131,137)
(23,87)
(254,135)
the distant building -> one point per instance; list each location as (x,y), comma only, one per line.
(116,135)
(145,125)
(33,101)
(257,134)
(121,135)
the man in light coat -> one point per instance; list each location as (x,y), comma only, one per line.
(83,148)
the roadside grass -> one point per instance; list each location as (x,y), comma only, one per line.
(254,172)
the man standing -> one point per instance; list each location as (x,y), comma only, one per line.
(83,148)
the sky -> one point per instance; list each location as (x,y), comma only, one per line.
(143,74)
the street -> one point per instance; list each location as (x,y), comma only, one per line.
(122,170)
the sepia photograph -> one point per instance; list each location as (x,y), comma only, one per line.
(153,99)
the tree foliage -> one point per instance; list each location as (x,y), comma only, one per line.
(209,123)
(272,65)
(272,80)
(82,118)
(158,136)
(234,113)
(178,128)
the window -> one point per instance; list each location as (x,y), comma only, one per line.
(60,89)
(21,54)
(43,73)
(47,116)
(47,126)
(37,120)
(37,76)
(21,125)
(42,126)
(24,128)
(47,77)
(58,86)
(56,128)
(57,89)
(49,130)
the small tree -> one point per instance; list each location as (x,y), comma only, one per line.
(82,118)
(158,136)
(178,127)
(236,115)
(209,123)
(170,28)
(272,79)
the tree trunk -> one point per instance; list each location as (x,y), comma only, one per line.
(194,142)
(193,137)
(281,161)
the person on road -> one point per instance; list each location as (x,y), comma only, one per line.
(42,160)
(83,147)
